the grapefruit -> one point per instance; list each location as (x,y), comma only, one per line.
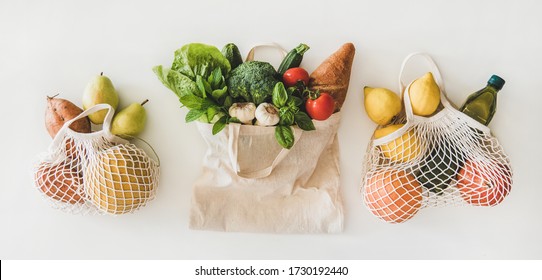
(393,196)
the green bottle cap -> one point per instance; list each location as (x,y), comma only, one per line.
(496,82)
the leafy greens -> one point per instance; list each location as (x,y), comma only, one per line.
(197,77)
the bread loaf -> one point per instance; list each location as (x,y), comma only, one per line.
(333,75)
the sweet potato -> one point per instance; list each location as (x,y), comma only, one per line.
(60,111)
(60,182)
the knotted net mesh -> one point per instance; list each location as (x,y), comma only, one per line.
(83,174)
(446,159)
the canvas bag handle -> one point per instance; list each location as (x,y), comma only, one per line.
(234,128)
(233,152)
(282,51)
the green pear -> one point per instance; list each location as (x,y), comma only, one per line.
(130,121)
(100,90)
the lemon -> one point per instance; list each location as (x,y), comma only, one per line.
(402,149)
(381,104)
(424,95)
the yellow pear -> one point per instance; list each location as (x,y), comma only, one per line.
(121,179)
(402,149)
(130,121)
(381,104)
(100,90)
(424,95)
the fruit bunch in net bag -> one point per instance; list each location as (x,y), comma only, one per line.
(94,172)
(426,153)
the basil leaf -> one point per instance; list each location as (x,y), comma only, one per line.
(234,120)
(228,101)
(218,93)
(304,121)
(215,78)
(284,136)
(193,115)
(280,96)
(292,90)
(222,82)
(208,102)
(286,116)
(207,86)
(294,102)
(191,101)
(201,86)
(211,113)
(219,125)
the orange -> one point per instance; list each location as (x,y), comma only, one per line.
(393,196)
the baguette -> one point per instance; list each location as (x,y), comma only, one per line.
(333,75)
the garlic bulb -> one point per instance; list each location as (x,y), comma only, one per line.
(267,114)
(244,112)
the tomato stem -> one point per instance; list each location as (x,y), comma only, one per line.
(313,94)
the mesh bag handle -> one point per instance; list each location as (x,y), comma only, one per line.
(413,119)
(433,68)
(233,151)
(106,127)
(58,173)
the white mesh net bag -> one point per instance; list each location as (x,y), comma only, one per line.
(98,172)
(444,159)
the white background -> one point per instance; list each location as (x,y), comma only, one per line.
(49,47)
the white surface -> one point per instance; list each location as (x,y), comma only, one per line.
(50,47)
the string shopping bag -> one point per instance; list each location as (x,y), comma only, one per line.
(444,159)
(98,172)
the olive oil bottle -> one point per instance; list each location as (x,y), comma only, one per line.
(444,161)
(482,104)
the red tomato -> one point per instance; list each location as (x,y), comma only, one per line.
(483,185)
(320,108)
(292,75)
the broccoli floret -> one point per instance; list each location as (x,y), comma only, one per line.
(253,81)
